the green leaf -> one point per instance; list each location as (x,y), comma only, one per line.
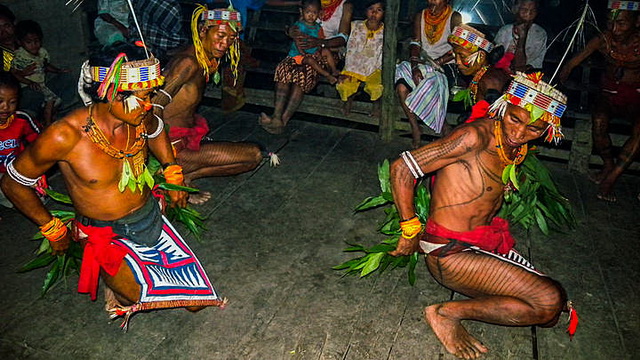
(41,261)
(371,202)
(536,113)
(52,276)
(513,176)
(383,176)
(505,173)
(412,268)
(174,187)
(59,197)
(372,263)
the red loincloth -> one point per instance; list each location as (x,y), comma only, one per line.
(621,94)
(191,137)
(494,237)
(99,252)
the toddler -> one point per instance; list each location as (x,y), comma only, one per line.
(30,52)
(308,25)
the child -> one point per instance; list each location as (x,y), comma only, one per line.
(308,25)
(29,36)
(16,127)
(363,62)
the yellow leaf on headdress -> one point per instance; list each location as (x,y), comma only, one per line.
(536,77)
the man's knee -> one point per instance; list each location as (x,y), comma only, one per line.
(550,304)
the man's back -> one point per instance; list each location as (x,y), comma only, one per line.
(185,79)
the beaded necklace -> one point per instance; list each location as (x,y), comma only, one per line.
(8,122)
(473,86)
(134,169)
(434,24)
(522,150)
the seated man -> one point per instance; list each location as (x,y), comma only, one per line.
(469,249)
(475,56)
(525,42)
(620,91)
(186,76)
(101,151)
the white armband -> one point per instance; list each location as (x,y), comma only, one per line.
(19,178)
(416,43)
(412,164)
(165,93)
(158,129)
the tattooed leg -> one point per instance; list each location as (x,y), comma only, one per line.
(500,293)
(294,101)
(602,142)
(273,124)
(217,159)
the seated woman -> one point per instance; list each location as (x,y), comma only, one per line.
(293,81)
(424,77)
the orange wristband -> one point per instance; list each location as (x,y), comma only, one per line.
(173,174)
(411,228)
(54,230)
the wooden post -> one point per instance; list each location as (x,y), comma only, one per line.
(389,100)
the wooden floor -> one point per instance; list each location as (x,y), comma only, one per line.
(274,235)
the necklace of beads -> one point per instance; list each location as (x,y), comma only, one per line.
(473,86)
(7,123)
(98,137)
(522,150)
(434,24)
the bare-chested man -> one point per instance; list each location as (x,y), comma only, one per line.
(474,57)
(186,76)
(466,244)
(620,92)
(101,151)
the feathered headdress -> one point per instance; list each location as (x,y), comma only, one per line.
(542,100)
(217,17)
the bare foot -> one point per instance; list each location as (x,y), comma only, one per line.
(199,198)
(270,125)
(453,335)
(597,177)
(605,192)
(332,79)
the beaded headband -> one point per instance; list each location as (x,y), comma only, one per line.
(542,100)
(624,5)
(470,38)
(222,16)
(133,75)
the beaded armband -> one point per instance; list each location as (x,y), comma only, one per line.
(410,228)
(54,230)
(173,174)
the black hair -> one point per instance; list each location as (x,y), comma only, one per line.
(26,27)
(7,80)
(305,3)
(495,55)
(105,57)
(6,12)
(368,3)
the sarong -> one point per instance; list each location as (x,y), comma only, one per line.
(190,137)
(493,240)
(304,76)
(429,99)
(168,272)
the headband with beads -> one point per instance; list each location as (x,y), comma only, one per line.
(469,38)
(542,100)
(624,5)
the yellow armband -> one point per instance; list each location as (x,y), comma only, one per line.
(54,230)
(411,228)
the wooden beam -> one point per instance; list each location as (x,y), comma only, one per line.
(389,102)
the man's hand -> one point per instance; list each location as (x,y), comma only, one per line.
(60,247)
(406,246)
(178,198)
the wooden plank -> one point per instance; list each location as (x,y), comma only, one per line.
(389,102)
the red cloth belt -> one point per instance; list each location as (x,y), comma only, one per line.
(191,136)
(494,237)
(621,94)
(99,252)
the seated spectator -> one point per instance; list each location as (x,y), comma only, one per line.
(16,127)
(363,61)
(31,52)
(8,42)
(415,79)
(111,23)
(525,43)
(161,25)
(292,82)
